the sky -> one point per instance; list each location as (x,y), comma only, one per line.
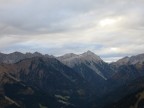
(110,28)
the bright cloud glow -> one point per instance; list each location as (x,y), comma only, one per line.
(107,22)
(114,49)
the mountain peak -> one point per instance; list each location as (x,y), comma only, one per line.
(89,55)
(86,56)
(16,53)
(68,56)
(37,54)
(130,60)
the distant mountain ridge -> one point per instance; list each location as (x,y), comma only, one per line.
(17,56)
(70,81)
(87,59)
(130,60)
(73,59)
(68,58)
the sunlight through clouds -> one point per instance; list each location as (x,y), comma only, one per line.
(108,22)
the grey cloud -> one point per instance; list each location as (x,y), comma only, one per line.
(72,26)
(49,16)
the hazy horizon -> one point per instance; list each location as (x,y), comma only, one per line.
(109,60)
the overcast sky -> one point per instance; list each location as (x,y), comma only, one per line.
(110,28)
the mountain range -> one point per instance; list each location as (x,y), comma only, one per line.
(34,80)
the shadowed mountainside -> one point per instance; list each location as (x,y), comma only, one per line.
(70,81)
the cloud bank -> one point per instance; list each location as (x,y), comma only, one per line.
(110,28)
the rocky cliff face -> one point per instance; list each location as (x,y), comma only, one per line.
(85,62)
